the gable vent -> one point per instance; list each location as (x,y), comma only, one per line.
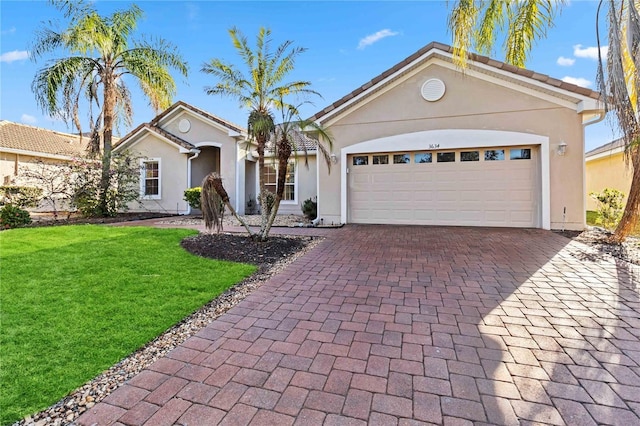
(433,90)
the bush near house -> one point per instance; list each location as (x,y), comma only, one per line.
(21,196)
(13,217)
(610,207)
(310,209)
(192,196)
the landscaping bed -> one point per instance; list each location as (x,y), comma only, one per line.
(598,239)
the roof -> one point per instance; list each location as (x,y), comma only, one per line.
(23,137)
(198,111)
(611,146)
(516,71)
(302,142)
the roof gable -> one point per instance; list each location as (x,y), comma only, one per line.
(174,109)
(581,98)
(145,128)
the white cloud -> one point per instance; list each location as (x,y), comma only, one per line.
(578,81)
(16,55)
(589,52)
(565,62)
(372,38)
(28,119)
(11,30)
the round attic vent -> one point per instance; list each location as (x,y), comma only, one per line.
(432,90)
(184,125)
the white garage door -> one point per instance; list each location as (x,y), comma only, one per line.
(466,187)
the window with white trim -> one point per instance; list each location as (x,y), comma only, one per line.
(271,181)
(150,178)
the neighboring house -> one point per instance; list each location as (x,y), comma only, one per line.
(422,143)
(26,148)
(184,143)
(605,167)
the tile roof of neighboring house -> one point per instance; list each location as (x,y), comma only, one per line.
(473,57)
(618,143)
(35,139)
(198,111)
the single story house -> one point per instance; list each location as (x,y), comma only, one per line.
(25,148)
(605,167)
(422,143)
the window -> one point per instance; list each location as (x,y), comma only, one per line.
(380,159)
(446,157)
(494,155)
(271,181)
(150,178)
(470,156)
(520,154)
(401,159)
(423,157)
(360,160)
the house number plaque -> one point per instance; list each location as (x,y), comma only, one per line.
(434,145)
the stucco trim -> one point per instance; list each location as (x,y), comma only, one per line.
(176,114)
(452,139)
(609,153)
(36,154)
(137,137)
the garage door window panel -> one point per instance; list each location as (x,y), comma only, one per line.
(520,154)
(470,156)
(360,160)
(401,159)
(494,155)
(380,159)
(446,157)
(423,157)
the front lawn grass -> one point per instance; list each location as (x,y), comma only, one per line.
(77,299)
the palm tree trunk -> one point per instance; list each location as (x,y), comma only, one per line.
(108,109)
(631,215)
(264,211)
(284,152)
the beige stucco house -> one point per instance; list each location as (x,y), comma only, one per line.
(183,144)
(422,143)
(605,167)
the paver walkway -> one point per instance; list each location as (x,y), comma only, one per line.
(411,325)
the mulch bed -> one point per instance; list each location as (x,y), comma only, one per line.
(241,248)
(47,219)
(598,239)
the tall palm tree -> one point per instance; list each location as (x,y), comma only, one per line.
(95,75)
(475,23)
(263,88)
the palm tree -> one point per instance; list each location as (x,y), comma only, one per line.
(102,59)
(474,24)
(263,89)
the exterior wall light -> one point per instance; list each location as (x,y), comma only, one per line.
(334,158)
(562,148)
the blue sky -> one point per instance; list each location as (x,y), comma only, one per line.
(348,44)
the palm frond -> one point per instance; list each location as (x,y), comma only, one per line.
(462,22)
(491,22)
(529,22)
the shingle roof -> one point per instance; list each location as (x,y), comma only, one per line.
(618,143)
(198,111)
(473,57)
(36,139)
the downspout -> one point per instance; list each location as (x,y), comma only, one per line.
(196,153)
(601,116)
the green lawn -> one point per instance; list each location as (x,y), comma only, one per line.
(77,299)
(592,217)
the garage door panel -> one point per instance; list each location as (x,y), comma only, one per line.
(478,193)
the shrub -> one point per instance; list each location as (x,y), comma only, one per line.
(21,196)
(610,206)
(310,209)
(13,217)
(192,196)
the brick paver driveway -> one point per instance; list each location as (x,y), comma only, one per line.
(407,325)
